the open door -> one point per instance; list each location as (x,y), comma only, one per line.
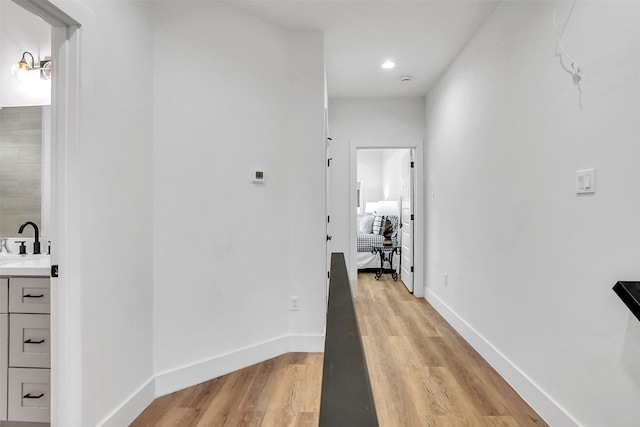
(406,264)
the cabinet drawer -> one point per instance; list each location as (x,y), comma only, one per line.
(29,341)
(29,295)
(29,398)
(4,295)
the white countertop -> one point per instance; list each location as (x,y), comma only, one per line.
(25,265)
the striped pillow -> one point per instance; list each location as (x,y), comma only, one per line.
(377,224)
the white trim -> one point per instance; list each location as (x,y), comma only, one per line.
(419,224)
(66,305)
(49,12)
(132,407)
(189,375)
(306,343)
(536,397)
(196,373)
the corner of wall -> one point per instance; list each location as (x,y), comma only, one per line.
(306,343)
(186,376)
(132,406)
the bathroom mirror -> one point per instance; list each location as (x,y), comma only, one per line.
(25,124)
(24,160)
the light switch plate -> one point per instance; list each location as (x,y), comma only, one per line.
(586,181)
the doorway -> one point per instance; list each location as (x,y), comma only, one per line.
(385,187)
(65,291)
(413,201)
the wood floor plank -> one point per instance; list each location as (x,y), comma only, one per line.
(159,409)
(310,398)
(422,372)
(458,384)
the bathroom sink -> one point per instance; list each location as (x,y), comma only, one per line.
(18,259)
(9,258)
(25,265)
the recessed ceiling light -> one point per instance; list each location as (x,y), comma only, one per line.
(387,65)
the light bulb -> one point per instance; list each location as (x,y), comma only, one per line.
(20,72)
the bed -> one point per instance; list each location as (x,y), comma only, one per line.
(370,229)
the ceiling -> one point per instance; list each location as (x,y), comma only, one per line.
(422,37)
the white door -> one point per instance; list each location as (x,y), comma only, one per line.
(406,263)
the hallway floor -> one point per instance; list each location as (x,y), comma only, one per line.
(422,374)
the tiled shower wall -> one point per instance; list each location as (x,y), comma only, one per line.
(20,168)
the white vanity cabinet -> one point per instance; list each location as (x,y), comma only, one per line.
(25,356)
(4,345)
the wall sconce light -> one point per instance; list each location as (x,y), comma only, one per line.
(21,71)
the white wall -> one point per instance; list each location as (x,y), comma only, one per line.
(364,119)
(228,252)
(370,172)
(381,173)
(183,269)
(111,241)
(530,264)
(392,174)
(306,211)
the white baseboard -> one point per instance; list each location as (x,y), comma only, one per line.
(354,288)
(132,407)
(306,343)
(190,375)
(541,402)
(187,376)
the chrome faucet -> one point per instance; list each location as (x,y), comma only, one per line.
(36,243)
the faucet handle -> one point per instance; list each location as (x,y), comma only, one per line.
(23,247)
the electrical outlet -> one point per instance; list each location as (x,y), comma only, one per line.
(446,279)
(294,303)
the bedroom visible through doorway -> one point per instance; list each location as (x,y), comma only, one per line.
(385,197)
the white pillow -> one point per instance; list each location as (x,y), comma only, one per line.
(365,226)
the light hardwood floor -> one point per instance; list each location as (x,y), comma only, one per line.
(422,374)
(284,391)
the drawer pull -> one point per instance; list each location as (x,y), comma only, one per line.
(30,341)
(28,396)
(33,296)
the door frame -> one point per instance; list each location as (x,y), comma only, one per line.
(418,225)
(66,346)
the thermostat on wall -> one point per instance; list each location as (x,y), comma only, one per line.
(257,176)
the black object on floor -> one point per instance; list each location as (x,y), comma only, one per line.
(346,399)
